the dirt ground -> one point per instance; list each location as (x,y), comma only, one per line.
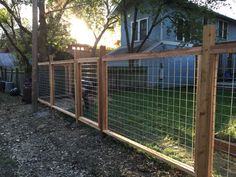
(45,144)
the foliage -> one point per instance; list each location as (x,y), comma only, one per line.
(160,10)
(53,34)
(99,16)
(15,39)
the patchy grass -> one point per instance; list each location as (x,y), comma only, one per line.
(163,119)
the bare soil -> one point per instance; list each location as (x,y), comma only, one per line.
(51,144)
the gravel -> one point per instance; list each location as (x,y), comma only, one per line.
(49,144)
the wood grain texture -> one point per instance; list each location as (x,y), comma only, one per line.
(205,112)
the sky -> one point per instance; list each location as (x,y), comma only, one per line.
(227,11)
(84,35)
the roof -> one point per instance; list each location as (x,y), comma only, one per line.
(123,50)
(217,14)
(7,60)
(152,46)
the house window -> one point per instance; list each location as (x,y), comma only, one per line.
(141,29)
(223,30)
(182,30)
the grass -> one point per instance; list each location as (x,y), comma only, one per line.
(163,119)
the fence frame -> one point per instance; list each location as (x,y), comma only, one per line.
(205,101)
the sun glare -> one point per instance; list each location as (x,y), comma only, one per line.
(80,32)
(83,35)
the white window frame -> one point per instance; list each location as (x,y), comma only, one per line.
(223,28)
(138,22)
(183,38)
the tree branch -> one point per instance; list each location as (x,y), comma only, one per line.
(18,21)
(14,45)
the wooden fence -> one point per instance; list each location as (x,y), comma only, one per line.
(94,100)
(18,77)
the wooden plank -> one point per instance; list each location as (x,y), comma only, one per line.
(78,87)
(70,73)
(88,60)
(225,146)
(63,62)
(51,80)
(182,166)
(89,122)
(103,78)
(17,78)
(101,89)
(223,48)
(154,55)
(57,108)
(205,112)
(104,96)
(64,111)
(66,79)
(44,102)
(43,63)
(77,114)
(80,94)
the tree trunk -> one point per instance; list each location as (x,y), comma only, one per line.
(42,37)
(126,26)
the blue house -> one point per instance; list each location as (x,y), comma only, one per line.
(164,72)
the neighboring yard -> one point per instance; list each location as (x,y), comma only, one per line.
(46,144)
(163,119)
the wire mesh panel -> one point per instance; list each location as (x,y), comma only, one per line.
(152,101)
(90,90)
(64,87)
(225,124)
(44,85)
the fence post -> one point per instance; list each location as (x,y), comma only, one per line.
(70,77)
(5,74)
(11,75)
(205,112)
(51,81)
(66,80)
(17,78)
(78,85)
(102,106)
(1,73)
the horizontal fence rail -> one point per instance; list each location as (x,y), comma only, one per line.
(178,105)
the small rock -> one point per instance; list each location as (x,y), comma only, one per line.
(40,127)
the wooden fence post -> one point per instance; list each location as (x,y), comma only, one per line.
(102,96)
(51,81)
(1,73)
(70,77)
(11,79)
(17,78)
(78,86)
(66,80)
(5,74)
(205,112)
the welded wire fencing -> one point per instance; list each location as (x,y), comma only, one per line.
(177,105)
(64,95)
(15,75)
(44,85)
(89,80)
(154,104)
(225,124)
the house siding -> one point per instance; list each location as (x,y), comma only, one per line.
(178,71)
(155,35)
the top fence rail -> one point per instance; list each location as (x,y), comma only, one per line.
(71,61)
(216,49)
